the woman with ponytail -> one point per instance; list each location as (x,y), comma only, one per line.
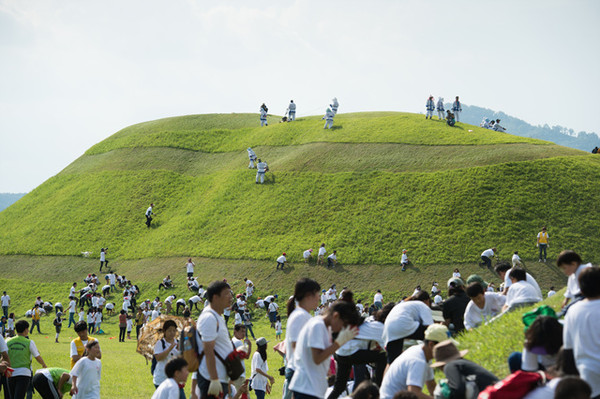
(306,297)
(314,348)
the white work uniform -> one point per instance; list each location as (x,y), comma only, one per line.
(261,168)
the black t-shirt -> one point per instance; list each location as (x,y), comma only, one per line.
(454,307)
(457,372)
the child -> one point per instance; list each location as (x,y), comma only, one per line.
(81,314)
(129,325)
(3,322)
(98,321)
(248,324)
(278,329)
(58,325)
(91,320)
(11,325)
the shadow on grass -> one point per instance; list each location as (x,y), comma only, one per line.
(336,127)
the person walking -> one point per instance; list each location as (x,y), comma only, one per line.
(334,105)
(263,115)
(543,242)
(292,111)
(440,108)
(149,214)
(190,268)
(261,169)
(329,114)
(21,350)
(122,325)
(5,300)
(261,380)
(252,157)
(430,107)
(36,314)
(103,260)
(457,109)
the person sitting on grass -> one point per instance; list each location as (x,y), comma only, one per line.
(166,283)
(483,306)
(176,371)
(86,373)
(450,120)
(503,270)
(520,293)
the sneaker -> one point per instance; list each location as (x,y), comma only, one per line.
(540,260)
(403,269)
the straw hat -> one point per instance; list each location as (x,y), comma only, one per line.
(445,352)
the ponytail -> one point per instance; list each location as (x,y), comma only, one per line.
(304,287)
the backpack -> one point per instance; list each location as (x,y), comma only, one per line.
(515,386)
(56,322)
(154,361)
(188,346)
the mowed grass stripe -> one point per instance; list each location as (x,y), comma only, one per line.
(320,157)
(212,133)
(449,216)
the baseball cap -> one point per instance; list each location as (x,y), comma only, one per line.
(474,278)
(437,333)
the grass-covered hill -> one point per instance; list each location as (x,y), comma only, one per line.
(376,183)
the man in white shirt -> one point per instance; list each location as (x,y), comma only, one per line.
(149,214)
(332,260)
(169,303)
(503,270)
(520,293)
(193,302)
(321,255)
(483,306)
(487,255)
(252,157)
(212,375)
(411,371)
(571,265)
(281,261)
(72,309)
(580,333)
(378,300)
(112,280)
(261,169)
(273,307)
(5,303)
(307,254)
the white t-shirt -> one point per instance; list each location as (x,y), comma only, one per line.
(573,284)
(278,328)
(273,307)
(88,378)
(551,293)
(488,253)
(322,251)
(404,319)
(237,319)
(474,316)
(378,297)
(404,258)
(456,275)
(516,260)
(580,333)
(332,256)
(260,303)
(5,300)
(269,298)
(521,292)
(169,299)
(281,259)
(168,389)
(311,378)
(529,279)
(98,318)
(155,314)
(295,323)
(331,293)
(545,391)
(438,299)
(360,307)
(238,343)
(324,298)
(410,368)
(306,254)
(159,372)
(110,306)
(81,315)
(195,299)
(368,331)
(241,304)
(190,267)
(102,256)
(112,278)
(101,301)
(72,306)
(212,327)
(3,346)
(259,381)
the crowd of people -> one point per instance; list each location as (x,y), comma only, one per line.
(344,348)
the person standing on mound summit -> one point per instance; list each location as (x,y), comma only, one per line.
(440,108)
(263,115)
(457,109)
(149,214)
(329,114)
(429,107)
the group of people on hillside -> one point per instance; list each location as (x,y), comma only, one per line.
(307,256)
(492,125)
(451,117)
(290,113)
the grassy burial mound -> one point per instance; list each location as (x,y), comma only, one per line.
(376,183)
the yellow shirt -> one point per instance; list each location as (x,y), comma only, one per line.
(36,314)
(543,237)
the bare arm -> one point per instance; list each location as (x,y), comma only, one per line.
(194,384)
(320,355)
(41,361)
(430,386)
(74,386)
(62,381)
(5,358)
(163,355)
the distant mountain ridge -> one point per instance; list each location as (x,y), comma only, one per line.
(7,199)
(560,135)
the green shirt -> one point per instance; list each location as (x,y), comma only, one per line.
(55,373)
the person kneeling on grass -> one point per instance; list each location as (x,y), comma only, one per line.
(177,373)
(86,373)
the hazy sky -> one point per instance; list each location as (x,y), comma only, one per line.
(73,72)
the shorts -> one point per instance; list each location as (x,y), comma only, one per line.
(190,274)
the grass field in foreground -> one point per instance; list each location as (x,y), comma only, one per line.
(125,373)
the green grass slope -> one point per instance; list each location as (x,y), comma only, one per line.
(375,184)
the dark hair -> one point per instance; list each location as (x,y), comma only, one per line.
(518,274)
(383,313)
(366,390)
(90,344)
(589,282)
(173,365)
(80,326)
(545,331)
(238,327)
(215,288)
(347,311)
(405,395)
(474,289)
(566,257)
(565,364)
(420,296)
(304,287)
(21,326)
(572,388)
(347,296)
(502,267)
(168,324)
(262,350)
